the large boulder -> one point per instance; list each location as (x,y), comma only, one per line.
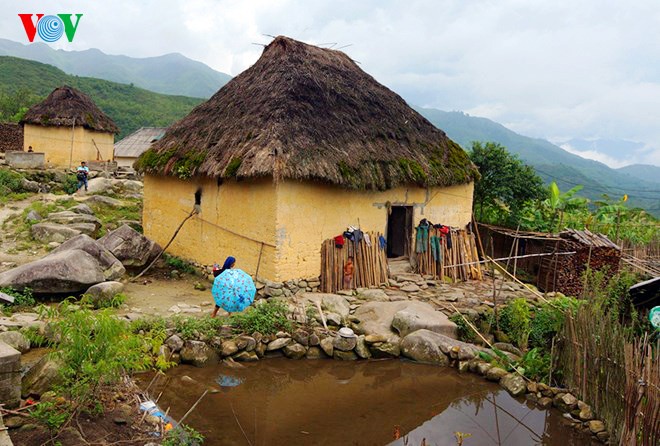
(41,377)
(104,201)
(377,318)
(129,246)
(52,232)
(99,186)
(424,346)
(423,316)
(198,354)
(72,267)
(15,339)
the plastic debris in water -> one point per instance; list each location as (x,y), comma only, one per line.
(229,381)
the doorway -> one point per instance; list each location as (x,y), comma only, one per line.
(399,231)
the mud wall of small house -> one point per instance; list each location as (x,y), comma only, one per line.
(235,218)
(55,142)
(308,213)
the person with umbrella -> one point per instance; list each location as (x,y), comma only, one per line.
(233,289)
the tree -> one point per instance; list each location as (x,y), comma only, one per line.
(506,183)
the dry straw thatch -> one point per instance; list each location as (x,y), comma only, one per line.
(308,113)
(66,107)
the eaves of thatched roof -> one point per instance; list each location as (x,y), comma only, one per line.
(307,113)
(67,107)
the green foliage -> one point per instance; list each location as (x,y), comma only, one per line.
(179,264)
(505,186)
(268,317)
(130,107)
(183,435)
(535,365)
(52,414)
(10,181)
(549,319)
(465,333)
(22,299)
(515,321)
(413,170)
(115,302)
(197,328)
(151,161)
(111,216)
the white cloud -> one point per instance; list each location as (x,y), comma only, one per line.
(581,69)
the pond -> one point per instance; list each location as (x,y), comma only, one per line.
(285,402)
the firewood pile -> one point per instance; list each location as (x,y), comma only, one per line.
(593,251)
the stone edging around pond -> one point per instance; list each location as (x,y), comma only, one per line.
(422,346)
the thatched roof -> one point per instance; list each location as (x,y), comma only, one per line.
(66,106)
(137,142)
(308,113)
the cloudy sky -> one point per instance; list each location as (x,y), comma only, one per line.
(558,69)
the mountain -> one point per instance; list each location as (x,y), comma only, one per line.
(129,106)
(170,74)
(644,172)
(550,161)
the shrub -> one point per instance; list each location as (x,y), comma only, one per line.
(197,328)
(465,333)
(179,264)
(183,435)
(266,318)
(115,302)
(535,364)
(22,299)
(515,321)
(10,182)
(549,319)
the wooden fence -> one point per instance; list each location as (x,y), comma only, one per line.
(369,260)
(619,378)
(458,260)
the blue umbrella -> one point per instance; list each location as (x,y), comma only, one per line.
(233,290)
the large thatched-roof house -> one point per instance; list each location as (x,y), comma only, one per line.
(289,153)
(130,148)
(68,127)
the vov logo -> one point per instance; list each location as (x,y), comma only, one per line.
(50,27)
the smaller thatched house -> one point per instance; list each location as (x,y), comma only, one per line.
(130,148)
(68,127)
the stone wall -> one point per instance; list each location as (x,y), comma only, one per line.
(25,160)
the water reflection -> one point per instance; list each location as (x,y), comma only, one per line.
(284,402)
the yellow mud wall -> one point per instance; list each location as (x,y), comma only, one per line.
(309,213)
(55,142)
(235,219)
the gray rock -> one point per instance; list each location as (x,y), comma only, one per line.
(104,201)
(69,218)
(278,344)
(345,356)
(198,354)
(361,348)
(385,350)
(33,216)
(423,346)
(72,267)
(314,353)
(229,348)
(327,346)
(495,374)
(410,288)
(344,344)
(423,316)
(506,347)
(175,343)
(85,228)
(514,384)
(15,339)
(82,208)
(585,413)
(545,402)
(301,337)
(103,292)
(333,303)
(41,377)
(99,185)
(333,319)
(596,426)
(29,186)
(374,295)
(294,351)
(246,356)
(129,246)
(52,232)
(314,339)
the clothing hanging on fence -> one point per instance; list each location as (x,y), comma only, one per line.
(448,239)
(421,238)
(367,239)
(339,241)
(382,242)
(357,237)
(435,247)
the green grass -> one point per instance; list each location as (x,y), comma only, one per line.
(110,216)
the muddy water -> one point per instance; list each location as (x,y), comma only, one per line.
(285,402)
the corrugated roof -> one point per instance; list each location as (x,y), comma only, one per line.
(137,142)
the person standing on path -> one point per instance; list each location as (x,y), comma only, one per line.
(82,172)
